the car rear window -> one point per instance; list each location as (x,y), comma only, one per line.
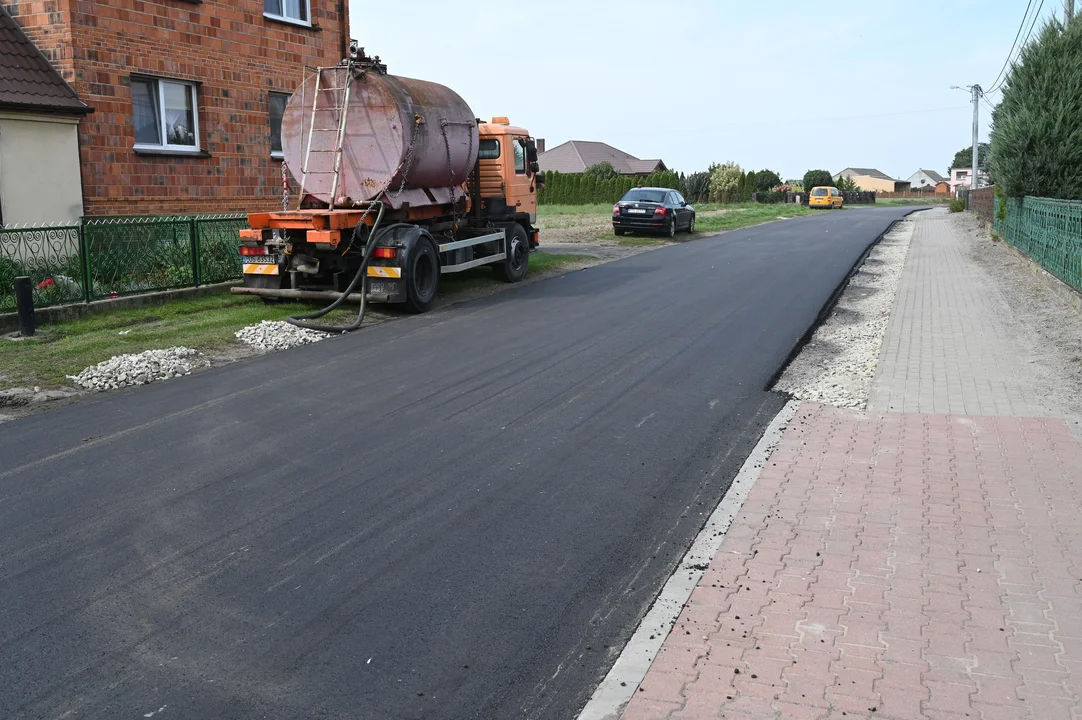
(819,191)
(640,195)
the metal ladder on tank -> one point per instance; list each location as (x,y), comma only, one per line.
(340,132)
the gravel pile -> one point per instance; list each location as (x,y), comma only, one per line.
(139,369)
(271,335)
(838,365)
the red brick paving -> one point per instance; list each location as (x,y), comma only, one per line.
(890,566)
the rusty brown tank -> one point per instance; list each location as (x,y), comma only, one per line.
(406,141)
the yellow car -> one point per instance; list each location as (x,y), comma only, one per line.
(826,197)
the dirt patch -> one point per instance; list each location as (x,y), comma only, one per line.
(1044,323)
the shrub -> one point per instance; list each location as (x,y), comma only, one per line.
(697,187)
(766,179)
(601,170)
(817,178)
(957,205)
(1001,205)
(846,184)
(1036,135)
(724,181)
(749,187)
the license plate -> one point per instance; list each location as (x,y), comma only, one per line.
(381,288)
(259,260)
(635,211)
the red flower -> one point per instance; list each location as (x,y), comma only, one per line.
(47,282)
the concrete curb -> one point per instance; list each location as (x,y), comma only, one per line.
(618,687)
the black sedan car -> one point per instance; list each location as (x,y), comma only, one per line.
(655,210)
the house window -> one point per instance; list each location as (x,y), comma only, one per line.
(277,102)
(165,115)
(296,11)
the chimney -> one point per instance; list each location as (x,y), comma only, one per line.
(540,145)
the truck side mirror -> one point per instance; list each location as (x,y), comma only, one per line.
(534,167)
(531,151)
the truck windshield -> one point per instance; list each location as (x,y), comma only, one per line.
(641,195)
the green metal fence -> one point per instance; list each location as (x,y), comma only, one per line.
(105,257)
(1047,230)
(49,255)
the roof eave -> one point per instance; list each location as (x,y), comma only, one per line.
(46,109)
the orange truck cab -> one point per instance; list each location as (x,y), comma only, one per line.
(507,182)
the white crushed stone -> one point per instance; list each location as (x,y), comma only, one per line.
(838,365)
(138,369)
(275,335)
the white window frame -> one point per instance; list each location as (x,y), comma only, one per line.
(193,89)
(293,21)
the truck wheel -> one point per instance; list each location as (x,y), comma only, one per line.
(422,275)
(514,268)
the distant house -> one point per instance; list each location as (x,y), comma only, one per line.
(925,179)
(39,135)
(943,188)
(870,179)
(960,178)
(575,156)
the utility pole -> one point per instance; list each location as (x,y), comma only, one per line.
(1068,10)
(976,90)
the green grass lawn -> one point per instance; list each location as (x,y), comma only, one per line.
(745,215)
(207,324)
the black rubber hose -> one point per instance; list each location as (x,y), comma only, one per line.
(358,279)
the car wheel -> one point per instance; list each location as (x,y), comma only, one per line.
(618,231)
(691,224)
(671,231)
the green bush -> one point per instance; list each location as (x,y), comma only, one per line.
(964,158)
(1036,133)
(748,189)
(957,205)
(817,178)
(601,170)
(1001,205)
(697,187)
(725,181)
(766,180)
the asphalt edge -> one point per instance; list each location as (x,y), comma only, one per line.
(831,303)
(625,676)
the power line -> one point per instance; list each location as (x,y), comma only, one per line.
(1015,43)
(1021,47)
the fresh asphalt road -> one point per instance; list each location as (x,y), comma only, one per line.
(458,515)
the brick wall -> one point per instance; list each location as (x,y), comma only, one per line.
(235,54)
(982,201)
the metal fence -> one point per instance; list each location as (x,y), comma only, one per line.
(1047,230)
(102,257)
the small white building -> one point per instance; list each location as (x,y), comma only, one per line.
(925,180)
(40,179)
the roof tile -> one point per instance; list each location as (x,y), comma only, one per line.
(28,81)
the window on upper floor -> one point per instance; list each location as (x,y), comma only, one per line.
(277,103)
(165,114)
(295,11)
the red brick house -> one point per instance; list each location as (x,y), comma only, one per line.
(187,94)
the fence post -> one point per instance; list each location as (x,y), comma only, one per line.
(194,230)
(84,257)
(24,303)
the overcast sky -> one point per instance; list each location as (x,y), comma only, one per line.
(786,86)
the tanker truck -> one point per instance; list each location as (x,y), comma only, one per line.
(398,184)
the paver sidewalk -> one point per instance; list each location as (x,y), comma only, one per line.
(899,565)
